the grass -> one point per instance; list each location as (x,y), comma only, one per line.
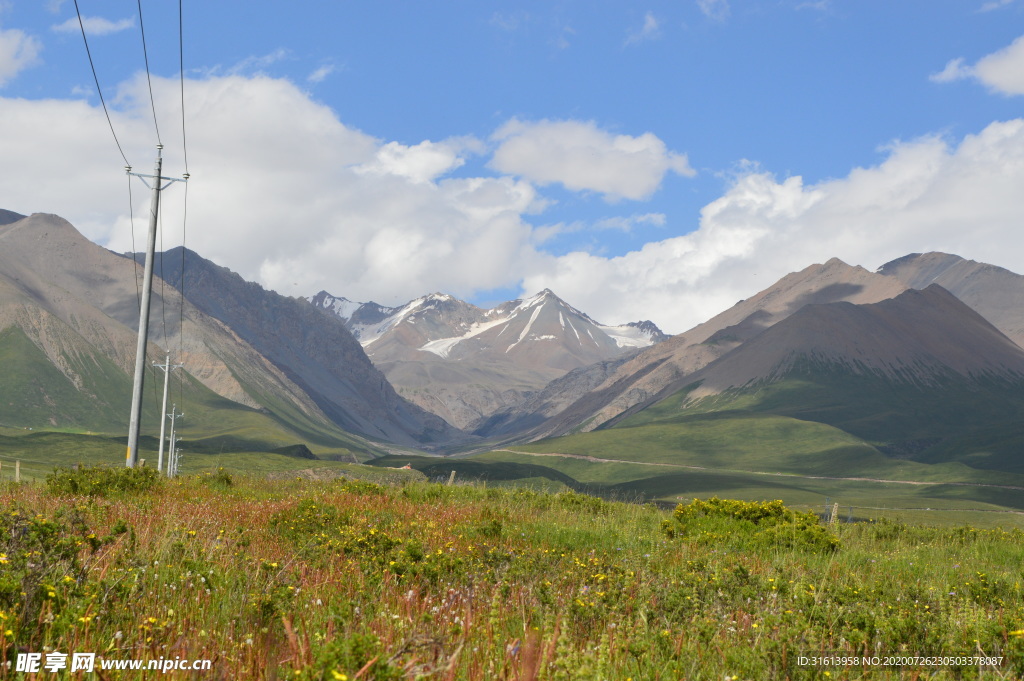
(935,503)
(351,579)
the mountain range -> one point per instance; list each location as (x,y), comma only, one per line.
(920,359)
(464,363)
(613,390)
(69,310)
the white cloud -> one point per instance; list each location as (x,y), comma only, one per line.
(954,70)
(94,25)
(1001,71)
(423,162)
(631,222)
(320,74)
(714,9)
(926,195)
(649,31)
(285,193)
(18,51)
(583,157)
(281,191)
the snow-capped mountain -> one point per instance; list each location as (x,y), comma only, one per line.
(462,361)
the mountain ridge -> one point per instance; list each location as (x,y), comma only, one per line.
(465,363)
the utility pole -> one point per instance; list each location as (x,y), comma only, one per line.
(166,366)
(132,457)
(172,463)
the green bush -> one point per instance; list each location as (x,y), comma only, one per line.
(752,523)
(100,481)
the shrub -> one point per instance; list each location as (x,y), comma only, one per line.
(100,481)
(765,523)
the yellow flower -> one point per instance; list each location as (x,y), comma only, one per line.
(338,676)
(1019,632)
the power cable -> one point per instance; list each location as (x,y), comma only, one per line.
(88,53)
(149,81)
(184,216)
(163,273)
(135,263)
(181,77)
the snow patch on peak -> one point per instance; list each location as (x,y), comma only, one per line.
(342,307)
(633,335)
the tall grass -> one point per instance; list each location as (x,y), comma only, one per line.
(348,579)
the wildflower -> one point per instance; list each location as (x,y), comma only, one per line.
(1019,632)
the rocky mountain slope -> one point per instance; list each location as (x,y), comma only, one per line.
(568,408)
(76,304)
(316,351)
(464,363)
(68,318)
(996,293)
(909,374)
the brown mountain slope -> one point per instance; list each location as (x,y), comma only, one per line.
(50,266)
(313,349)
(916,337)
(648,373)
(907,373)
(996,293)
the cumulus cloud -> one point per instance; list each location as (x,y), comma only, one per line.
(423,162)
(1001,71)
(285,193)
(582,157)
(281,191)
(94,26)
(18,51)
(927,194)
(649,31)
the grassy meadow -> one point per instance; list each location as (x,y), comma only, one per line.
(296,578)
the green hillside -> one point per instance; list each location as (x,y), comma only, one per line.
(904,416)
(34,393)
(808,437)
(36,396)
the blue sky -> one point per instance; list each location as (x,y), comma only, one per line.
(656,160)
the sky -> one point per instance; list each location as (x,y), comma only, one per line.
(644,160)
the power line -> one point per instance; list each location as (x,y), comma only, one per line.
(181,77)
(98,89)
(184,216)
(145,57)
(135,264)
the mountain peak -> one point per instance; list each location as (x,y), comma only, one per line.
(9,216)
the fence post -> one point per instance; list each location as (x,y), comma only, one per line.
(451,478)
(17,471)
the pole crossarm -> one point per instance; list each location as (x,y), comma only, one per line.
(170,180)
